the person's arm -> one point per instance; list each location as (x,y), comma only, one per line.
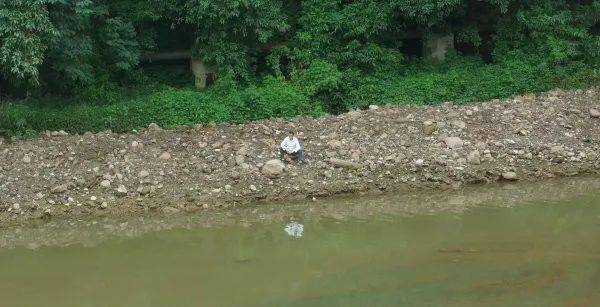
(297,145)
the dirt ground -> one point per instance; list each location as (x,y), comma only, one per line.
(386,148)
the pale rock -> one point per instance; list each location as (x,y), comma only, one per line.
(429,127)
(345,164)
(453,142)
(59,189)
(273,168)
(510,176)
(143,174)
(459,124)
(105,183)
(474,157)
(165,156)
(154,127)
(334,144)
(121,190)
(239,160)
(595,113)
(558,149)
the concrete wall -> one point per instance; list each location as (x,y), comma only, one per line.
(201,72)
(436,46)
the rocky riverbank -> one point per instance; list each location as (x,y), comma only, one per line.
(387,148)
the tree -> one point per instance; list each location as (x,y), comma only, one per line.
(25,31)
(231,33)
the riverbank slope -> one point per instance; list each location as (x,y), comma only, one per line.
(391,148)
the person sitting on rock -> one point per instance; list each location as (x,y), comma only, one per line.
(290,147)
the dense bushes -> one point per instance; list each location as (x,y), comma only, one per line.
(320,88)
(166,107)
(76,63)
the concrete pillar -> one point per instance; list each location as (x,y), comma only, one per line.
(436,46)
(201,72)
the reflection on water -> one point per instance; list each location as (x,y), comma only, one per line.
(536,252)
(294,229)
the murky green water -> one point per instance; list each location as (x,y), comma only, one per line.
(533,253)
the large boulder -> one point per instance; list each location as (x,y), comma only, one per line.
(273,168)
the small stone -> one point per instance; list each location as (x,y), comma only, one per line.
(154,127)
(27,159)
(105,183)
(144,174)
(253,188)
(595,113)
(510,176)
(16,207)
(93,198)
(373,107)
(135,144)
(453,142)
(345,164)
(239,160)
(474,157)
(59,189)
(104,205)
(558,149)
(429,127)
(334,144)
(459,124)
(144,190)
(121,190)
(165,156)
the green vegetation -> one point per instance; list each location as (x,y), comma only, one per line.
(77,64)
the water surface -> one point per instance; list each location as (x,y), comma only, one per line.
(537,251)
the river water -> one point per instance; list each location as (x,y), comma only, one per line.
(517,245)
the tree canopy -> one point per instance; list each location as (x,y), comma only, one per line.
(63,45)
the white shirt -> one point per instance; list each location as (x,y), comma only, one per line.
(291,146)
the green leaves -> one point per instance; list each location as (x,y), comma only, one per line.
(559,31)
(121,48)
(230,33)
(25,30)
(78,46)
